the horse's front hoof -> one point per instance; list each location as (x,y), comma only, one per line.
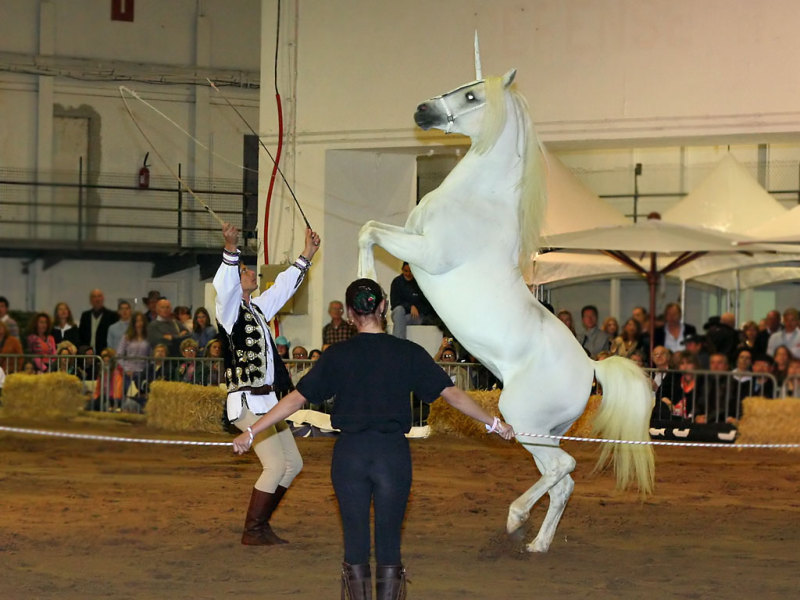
(515,520)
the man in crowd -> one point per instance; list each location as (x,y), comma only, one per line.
(338,330)
(11,324)
(95,322)
(594,339)
(674,331)
(789,337)
(409,305)
(772,324)
(118,329)
(722,336)
(165,329)
(152,298)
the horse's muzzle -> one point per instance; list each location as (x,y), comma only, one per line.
(425,118)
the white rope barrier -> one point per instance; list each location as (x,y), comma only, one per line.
(653,442)
(109,438)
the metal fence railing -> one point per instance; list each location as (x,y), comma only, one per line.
(703,396)
(698,396)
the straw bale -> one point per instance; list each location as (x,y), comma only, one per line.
(584,426)
(185,407)
(767,421)
(45,396)
(443,418)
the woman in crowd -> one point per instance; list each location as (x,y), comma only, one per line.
(611,327)
(187,369)
(67,363)
(314,354)
(566,317)
(132,353)
(214,373)
(41,342)
(202,329)
(629,341)
(10,345)
(371,460)
(782,357)
(183,315)
(64,327)
(749,335)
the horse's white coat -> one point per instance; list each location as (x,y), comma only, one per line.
(463,244)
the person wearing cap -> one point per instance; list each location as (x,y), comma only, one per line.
(283,345)
(695,345)
(371,462)
(255,374)
(153,296)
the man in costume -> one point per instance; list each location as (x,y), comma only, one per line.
(255,374)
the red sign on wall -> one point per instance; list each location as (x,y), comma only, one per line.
(122,10)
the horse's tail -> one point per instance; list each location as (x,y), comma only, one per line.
(625,415)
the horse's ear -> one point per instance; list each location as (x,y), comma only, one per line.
(508,78)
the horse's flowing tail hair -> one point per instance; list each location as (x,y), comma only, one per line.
(625,415)
(532,184)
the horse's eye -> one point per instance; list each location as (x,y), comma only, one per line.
(470,96)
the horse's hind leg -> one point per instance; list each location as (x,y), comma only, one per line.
(555,466)
(559,494)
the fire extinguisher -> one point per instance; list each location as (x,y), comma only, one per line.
(144,174)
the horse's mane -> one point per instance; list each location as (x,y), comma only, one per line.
(532,183)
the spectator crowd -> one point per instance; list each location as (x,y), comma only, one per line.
(697,376)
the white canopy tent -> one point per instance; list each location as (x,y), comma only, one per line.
(728,200)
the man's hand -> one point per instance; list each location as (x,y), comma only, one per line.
(414,312)
(312,244)
(231,235)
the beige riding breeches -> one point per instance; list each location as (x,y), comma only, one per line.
(275,448)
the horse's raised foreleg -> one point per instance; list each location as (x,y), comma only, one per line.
(367,238)
(410,247)
(555,466)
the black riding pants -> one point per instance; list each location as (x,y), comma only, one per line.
(372,467)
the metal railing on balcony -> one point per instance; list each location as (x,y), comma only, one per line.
(91,210)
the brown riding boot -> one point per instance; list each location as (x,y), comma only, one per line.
(356,582)
(257,531)
(390,581)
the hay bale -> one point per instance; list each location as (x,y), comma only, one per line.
(767,421)
(185,407)
(443,418)
(45,396)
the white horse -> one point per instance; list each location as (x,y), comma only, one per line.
(464,242)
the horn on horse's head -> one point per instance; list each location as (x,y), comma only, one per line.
(478,74)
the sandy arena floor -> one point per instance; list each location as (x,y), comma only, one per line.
(89,519)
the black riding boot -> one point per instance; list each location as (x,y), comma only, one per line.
(356,582)
(390,582)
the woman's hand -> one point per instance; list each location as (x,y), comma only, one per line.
(312,244)
(241,443)
(505,431)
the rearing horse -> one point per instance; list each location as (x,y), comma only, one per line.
(464,242)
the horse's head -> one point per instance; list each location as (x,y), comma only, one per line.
(460,110)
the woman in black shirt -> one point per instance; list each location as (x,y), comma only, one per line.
(371,375)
